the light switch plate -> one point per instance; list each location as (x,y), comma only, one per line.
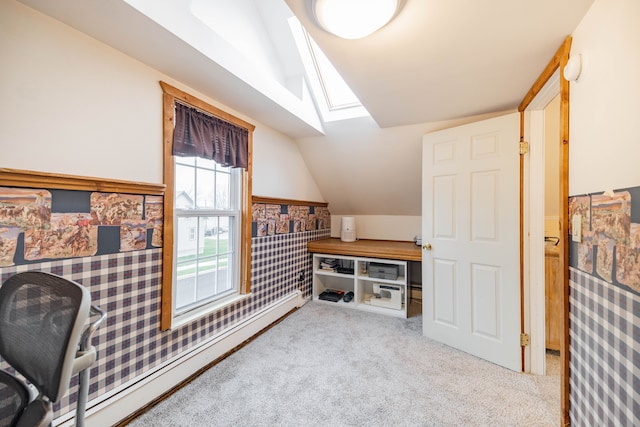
(576,228)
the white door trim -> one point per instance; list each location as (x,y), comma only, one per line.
(534,262)
(535,316)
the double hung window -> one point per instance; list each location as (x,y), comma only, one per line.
(207,238)
(206,217)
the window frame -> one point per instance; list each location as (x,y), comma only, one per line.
(317,84)
(169,97)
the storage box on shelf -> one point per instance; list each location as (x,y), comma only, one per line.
(378,285)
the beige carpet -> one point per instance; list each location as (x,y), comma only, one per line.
(330,366)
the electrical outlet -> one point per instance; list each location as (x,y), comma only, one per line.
(576,228)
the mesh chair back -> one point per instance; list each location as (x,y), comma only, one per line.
(41,320)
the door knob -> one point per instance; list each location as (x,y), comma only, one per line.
(426,246)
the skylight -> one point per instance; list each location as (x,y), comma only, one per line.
(337,93)
(333,97)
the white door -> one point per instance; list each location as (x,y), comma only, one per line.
(470,219)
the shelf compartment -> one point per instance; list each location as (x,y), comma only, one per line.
(334,282)
(362,285)
(393,296)
(332,265)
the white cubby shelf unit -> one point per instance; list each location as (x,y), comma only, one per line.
(361,284)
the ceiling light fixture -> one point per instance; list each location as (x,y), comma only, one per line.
(354,19)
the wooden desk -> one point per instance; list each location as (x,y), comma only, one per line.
(389,249)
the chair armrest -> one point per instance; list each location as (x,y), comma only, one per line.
(86,354)
(83,360)
(85,340)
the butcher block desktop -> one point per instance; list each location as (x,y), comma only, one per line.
(388,249)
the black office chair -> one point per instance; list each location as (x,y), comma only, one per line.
(44,339)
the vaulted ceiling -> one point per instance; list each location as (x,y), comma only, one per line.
(438,63)
(439,60)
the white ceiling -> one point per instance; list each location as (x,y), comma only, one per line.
(445,59)
(438,63)
(437,60)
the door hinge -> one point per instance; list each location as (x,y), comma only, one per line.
(524,147)
(524,340)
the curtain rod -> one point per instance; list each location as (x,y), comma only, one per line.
(186,104)
(191,101)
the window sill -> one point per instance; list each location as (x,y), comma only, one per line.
(193,315)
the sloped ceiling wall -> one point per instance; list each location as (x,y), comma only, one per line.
(362,169)
(365,170)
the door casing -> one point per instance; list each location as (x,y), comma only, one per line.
(556,64)
(533,219)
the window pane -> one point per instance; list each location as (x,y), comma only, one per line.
(337,92)
(220,168)
(224,245)
(210,225)
(185,187)
(205,163)
(185,284)
(224,274)
(206,279)
(186,160)
(223,191)
(187,238)
(224,226)
(205,186)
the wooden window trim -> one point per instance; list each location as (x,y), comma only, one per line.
(169,95)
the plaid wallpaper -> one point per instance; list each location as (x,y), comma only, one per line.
(604,352)
(127,286)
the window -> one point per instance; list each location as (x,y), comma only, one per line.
(334,98)
(207,238)
(338,95)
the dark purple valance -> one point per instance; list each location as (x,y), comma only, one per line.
(197,134)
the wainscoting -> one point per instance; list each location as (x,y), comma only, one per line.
(604,360)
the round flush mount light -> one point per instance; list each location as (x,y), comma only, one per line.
(354,19)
